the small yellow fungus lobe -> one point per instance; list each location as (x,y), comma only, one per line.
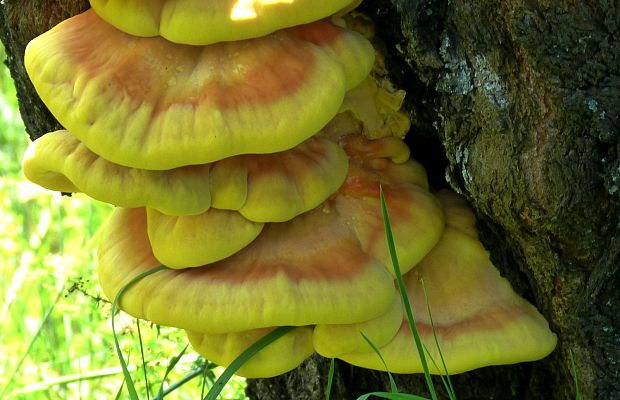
(281,356)
(335,340)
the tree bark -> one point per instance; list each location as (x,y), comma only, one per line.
(515,105)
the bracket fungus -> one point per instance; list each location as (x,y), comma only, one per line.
(479,320)
(58,161)
(261,187)
(152,104)
(277,187)
(248,151)
(192,241)
(327,266)
(272,282)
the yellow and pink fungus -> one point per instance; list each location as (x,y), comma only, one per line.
(246,143)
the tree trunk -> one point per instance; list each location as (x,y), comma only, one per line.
(515,105)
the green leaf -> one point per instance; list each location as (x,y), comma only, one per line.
(120,391)
(46,318)
(191,375)
(574,373)
(447,382)
(146,381)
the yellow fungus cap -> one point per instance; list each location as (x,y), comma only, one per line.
(281,356)
(378,108)
(191,241)
(305,271)
(262,187)
(335,340)
(367,151)
(58,161)
(478,318)
(201,22)
(354,53)
(461,215)
(152,104)
(416,215)
(277,187)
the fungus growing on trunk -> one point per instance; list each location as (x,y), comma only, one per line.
(336,340)
(256,180)
(294,273)
(192,241)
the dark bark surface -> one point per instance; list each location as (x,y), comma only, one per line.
(515,105)
(20,22)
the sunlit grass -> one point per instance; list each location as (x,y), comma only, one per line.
(48,290)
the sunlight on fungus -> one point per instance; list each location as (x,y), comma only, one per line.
(246,9)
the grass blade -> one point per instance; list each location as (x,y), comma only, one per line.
(574,373)
(131,389)
(393,387)
(404,296)
(191,375)
(146,381)
(243,358)
(445,379)
(446,384)
(120,391)
(392,396)
(48,384)
(330,379)
(173,362)
(46,317)
(204,381)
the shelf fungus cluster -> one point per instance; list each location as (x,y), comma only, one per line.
(245,143)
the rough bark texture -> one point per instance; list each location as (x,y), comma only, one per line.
(515,105)
(20,22)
